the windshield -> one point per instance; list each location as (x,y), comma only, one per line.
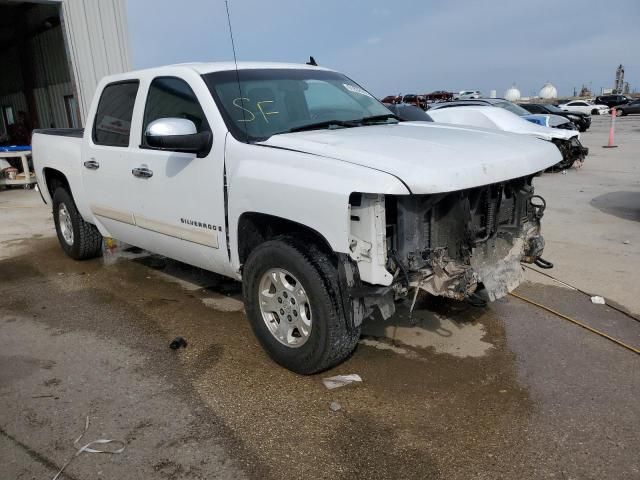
(512,107)
(277,101)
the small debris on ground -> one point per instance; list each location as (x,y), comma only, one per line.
(598,300)
(335,406)
(341,380)
(626,242)
(90,448)
(177,343)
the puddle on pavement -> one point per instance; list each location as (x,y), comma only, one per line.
(224,304)
(445,326)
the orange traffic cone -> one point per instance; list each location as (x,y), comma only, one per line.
(611,129)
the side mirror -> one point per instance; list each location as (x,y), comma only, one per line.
(177,135)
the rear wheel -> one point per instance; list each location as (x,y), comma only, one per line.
(292,302)
(79,239)
(595,111)
(620,113)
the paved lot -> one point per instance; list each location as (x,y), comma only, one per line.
(504,392)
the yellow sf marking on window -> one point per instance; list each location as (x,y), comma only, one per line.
(264,114)
(253,117)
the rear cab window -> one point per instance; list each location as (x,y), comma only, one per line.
(112,123)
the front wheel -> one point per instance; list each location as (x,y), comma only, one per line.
(79,239)
(291,293)
(620,113)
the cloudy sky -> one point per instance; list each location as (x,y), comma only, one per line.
(408,46)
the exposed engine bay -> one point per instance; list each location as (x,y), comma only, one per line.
(465,244)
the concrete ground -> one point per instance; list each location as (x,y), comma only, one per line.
(509,391)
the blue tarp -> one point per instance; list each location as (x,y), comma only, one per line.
(16,148)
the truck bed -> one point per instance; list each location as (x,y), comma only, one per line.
(61,132)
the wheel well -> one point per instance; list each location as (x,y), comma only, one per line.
(256,228)
(55,178)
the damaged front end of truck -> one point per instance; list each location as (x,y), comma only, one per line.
(463,245)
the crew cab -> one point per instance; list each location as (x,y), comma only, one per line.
(298,182)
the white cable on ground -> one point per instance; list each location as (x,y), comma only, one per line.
(88,448)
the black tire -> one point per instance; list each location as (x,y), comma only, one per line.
(582,129)
(330,340)
(595,111)
(86,242)
(620,113)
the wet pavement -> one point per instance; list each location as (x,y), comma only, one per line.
(456,392)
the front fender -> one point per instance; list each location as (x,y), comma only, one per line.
(307,189)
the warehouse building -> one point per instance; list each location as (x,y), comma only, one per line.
(52,55)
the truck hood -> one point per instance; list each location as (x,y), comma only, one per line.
(427,157)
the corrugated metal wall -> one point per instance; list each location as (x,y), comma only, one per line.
(98,44)
(50,104)
(17,100)
(50,60)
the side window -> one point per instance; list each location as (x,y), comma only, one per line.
(171,97)
(112,124)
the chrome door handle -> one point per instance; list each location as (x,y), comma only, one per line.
(91,164)
(142,172)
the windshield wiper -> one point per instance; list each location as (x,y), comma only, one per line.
(344,123)
(378,118)
(325,124)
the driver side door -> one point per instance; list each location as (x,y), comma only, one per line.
(180,196)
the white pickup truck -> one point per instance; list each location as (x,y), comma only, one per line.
(297,181)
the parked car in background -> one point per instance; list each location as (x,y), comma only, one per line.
(408,113)
(439,96)
(392,99)
(546,120)
(467,94)
(584,106)
(612,100)
(628,108)
(174,162)
(567,141)
(417,100)
(580,120)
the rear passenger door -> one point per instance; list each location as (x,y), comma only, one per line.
(105,167)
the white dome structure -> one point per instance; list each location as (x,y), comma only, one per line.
(512,94)
(548,91)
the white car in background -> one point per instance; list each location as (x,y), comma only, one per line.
(468,94)
(584,106)
(495,118)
